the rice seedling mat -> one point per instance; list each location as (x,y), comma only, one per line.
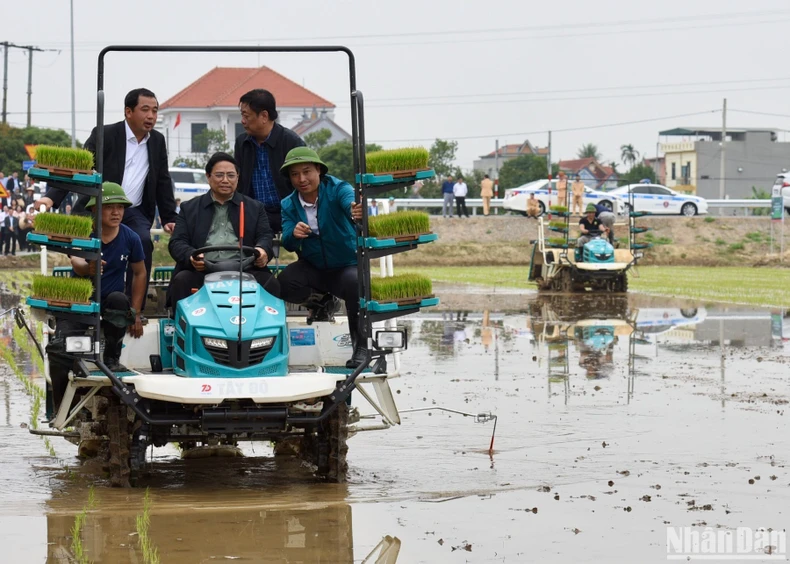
(68,176)
(64,241)
(399,176)
(406,304)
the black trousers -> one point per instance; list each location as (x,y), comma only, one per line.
(181,286)
(460,204)
(134,219)
(10,241)
(275,220)
(59,364)
(300,279)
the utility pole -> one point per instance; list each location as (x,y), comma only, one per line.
(29,49)
(723,145)
(5,79)
(73,95)
(548,157)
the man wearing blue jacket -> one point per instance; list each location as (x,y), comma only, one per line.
(318,225)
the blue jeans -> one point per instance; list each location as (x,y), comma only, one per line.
(134,219)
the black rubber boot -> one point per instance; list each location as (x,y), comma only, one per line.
(113,345)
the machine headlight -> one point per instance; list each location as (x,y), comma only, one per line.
(215,343)
(391,339)
(79,344)
(261,343)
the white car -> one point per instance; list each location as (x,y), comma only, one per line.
(188,183)
(655,198)
(516,198)
(783,183)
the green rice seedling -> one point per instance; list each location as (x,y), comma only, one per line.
(399,287)
(64,157)
(556,241)
(393,160)
(143,523)
(77,290)
(75,226)
(399,223)
(558,224)
(559,209)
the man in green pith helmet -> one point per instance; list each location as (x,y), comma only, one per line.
(318,225)
(120,248)
(590,226)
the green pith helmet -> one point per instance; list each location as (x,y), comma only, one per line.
(300,155)
(590,208)
(111,193)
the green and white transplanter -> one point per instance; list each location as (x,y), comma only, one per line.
(76,226)
(394,160)
(64,157)
(62,289)
(400,287)
(399,223)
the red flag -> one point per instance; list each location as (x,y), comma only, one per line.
(178,120)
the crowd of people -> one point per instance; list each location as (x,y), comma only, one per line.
(17,210)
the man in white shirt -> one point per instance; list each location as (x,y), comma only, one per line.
(459,191)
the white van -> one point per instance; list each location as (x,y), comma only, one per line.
(188,183)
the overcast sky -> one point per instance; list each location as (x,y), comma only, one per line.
(471,71)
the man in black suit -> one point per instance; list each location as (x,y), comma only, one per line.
(135,156)
(260,152)
(213,219)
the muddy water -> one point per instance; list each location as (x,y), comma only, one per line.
(681,406)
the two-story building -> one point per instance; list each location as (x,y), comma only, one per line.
(752,158)
(212,102)
(592,173)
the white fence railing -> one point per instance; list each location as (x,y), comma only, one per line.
(475,205)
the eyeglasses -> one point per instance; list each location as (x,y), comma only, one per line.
(229,175)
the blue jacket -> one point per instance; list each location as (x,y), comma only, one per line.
(336,244)
(447,187)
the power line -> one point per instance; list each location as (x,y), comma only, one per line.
(29,48)
(761,113)
(524,133)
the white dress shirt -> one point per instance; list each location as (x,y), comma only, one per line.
(460,189)
(311,211)
(135,169)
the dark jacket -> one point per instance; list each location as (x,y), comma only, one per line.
(280,141)
(336,244)
(158,190)
(194,222)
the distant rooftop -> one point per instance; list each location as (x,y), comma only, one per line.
(715,132)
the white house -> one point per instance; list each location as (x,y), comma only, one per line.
(212,102)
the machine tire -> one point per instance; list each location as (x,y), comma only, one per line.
(120,444)
(622,283)
(688,209)
(332,445)
(542,208)
(563,282)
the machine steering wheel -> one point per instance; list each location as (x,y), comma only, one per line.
(233,265)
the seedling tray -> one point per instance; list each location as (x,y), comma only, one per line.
(84,178)
(400,176)
(63,241)
(402,304)
(398,240)
(68,307)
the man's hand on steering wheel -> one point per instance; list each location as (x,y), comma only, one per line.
(262,259)
(199,264)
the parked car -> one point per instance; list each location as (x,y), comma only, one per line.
(655,198)
(783,183)
(188,183)
(516,198)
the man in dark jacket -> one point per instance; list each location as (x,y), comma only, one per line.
(260,152)
(135,156)
(213,219)
(318,224)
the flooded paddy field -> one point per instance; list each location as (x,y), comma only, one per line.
(617,416)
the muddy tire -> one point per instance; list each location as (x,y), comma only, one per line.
(621,284)
(333,446)
(563,282)
(120,444)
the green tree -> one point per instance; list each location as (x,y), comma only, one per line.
(317,140)
(589,150)
(339,158)
(14,139)
(441,157)
(638,173)
(208,142)
(760,194)
(628,154)
(523,169)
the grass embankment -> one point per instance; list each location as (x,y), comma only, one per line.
(753,286)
